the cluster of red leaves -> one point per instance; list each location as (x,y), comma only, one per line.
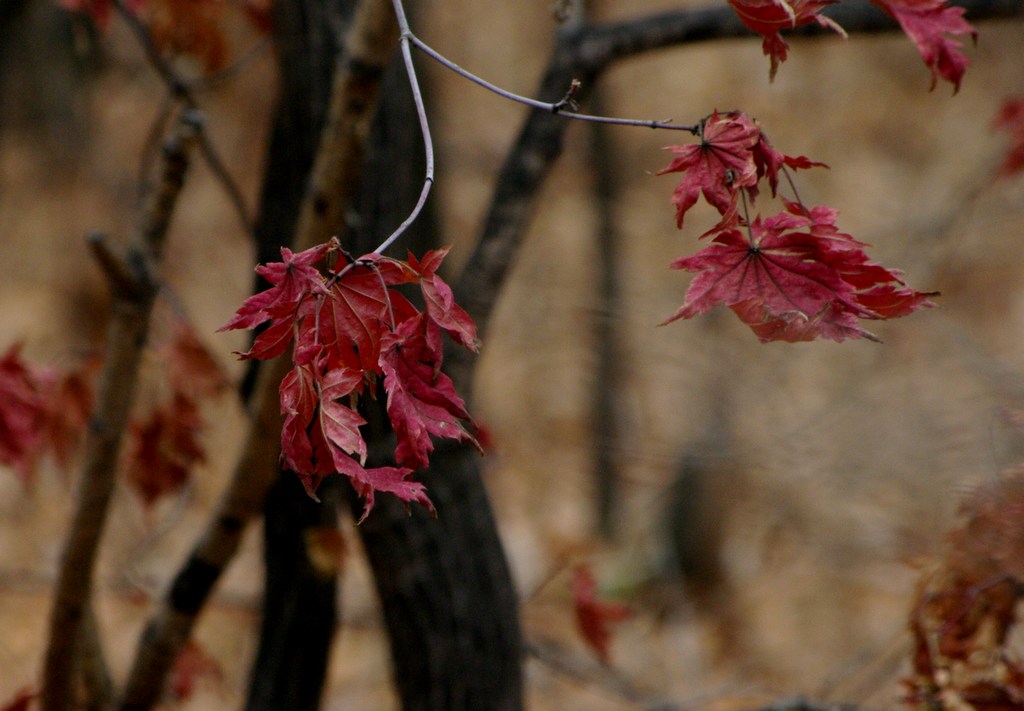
(41,410)
(595,617)
(1011,119)
(163,447)
(347,329)
(966,605)
(193,28)
(790,277)
(932,25)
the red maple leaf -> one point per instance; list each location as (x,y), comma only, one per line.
(769,17)
(595,617)
(733,154)
(931,25)
(440,301)
(293,282)
(1011,119)
(357,311)
(718,166)
(163,449)
(795,277)
(421,399)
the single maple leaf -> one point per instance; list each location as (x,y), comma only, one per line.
(718,166)
(595,617)
(293,281)
(931,26)
(1011,119)
(421,399)
(339,423)
(769,17)
(440,301)
(193,665)
(733,155)
(391,480)
(163,449)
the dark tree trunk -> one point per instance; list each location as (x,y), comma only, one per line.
(449,605)
(299,601)
(444,584)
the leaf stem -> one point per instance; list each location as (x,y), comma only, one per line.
(746,219)
(796,193)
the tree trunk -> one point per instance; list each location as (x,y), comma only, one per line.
(299,614)
(449,604)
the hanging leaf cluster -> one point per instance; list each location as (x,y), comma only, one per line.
(792,276)
(348,330)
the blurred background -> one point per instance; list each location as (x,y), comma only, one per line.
(765,510)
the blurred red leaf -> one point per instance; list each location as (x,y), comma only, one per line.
(595,617)
(23,411)
(21,701)
(1011,119)
(191,368)
(163,448)
(192,666)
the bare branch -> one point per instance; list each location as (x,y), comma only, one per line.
(583,53)
(133,287)
(182,89)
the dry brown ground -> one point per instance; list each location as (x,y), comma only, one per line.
(837,466)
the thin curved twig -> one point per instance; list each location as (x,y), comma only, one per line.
(557,107)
